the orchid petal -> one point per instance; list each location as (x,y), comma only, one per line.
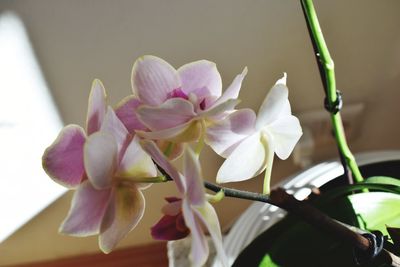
(135,162)
(87,210)
(201,74)
(217,110)
(63,160)
(245,162)
(125,209)
(96,108)
(199,251)
(100,158)
(207,215)
(114,127)
(225,135)
(187,132)
(151,148)
(285,132)
(192,172)
(169,228)
(126,112)
(232,92)
(153,79)
(171,113)
(274,103)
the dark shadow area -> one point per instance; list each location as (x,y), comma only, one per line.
(292,242)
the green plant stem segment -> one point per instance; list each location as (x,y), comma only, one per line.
(327,69)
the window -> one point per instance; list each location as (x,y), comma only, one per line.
(29,122)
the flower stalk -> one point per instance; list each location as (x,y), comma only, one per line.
(327,71)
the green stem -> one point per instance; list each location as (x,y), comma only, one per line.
(169,149)
(327,70)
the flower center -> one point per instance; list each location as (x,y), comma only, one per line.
(177,93)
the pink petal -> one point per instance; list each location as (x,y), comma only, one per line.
(151,148)
(136,162)
(246,161)
(199,251)
(187,132)
(87,210)
(96,107)
(170,228)
(171,113)
(207,215)
(221,109)
(153,79)
(114,127)
(192,172)
(100,158)
(232,92)
(225,135)
(201,74)
(63,160)
(273,105)
(125,209)
(126,112)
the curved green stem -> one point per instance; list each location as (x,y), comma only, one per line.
(327,70)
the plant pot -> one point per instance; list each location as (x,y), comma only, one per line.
(287,241)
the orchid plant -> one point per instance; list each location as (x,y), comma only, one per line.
(171,114)
(174,113)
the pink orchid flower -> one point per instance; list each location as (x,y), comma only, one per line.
(102,166)
(110,202)
(126,111)
(177,104)
(192,206)
(63,160)
(249,149)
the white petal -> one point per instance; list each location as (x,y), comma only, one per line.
(245,162)
(225,135)
(285,134)
(274,103)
